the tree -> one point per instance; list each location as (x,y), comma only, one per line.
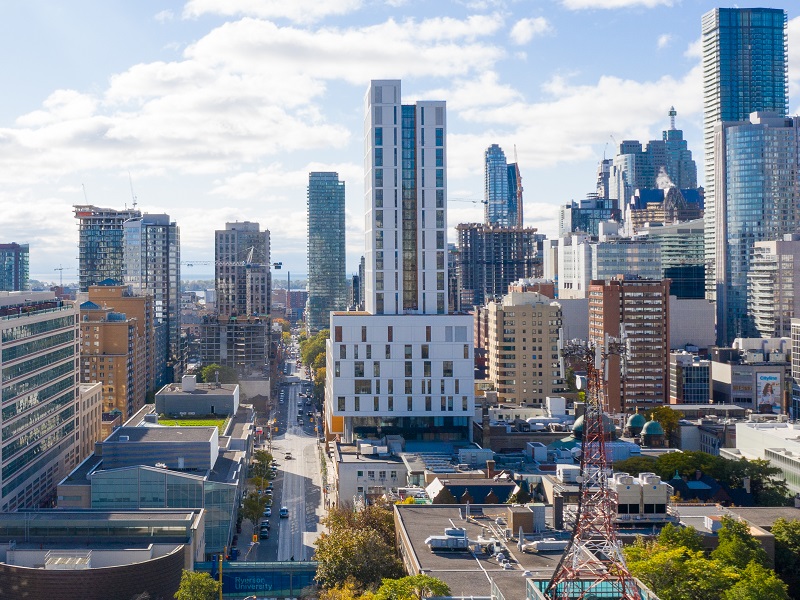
(197,586)
(635,465)
(413,587)
(787,553)
(766,483)
(737,547)
(668,419)
(757,583)
(520,495)
(673,536)
(253,507)
(226,374)
(358,545)
(347,591)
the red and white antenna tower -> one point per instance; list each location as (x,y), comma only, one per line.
(593,564)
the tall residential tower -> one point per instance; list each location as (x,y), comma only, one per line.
(745,66)
(100,243)
(327,283)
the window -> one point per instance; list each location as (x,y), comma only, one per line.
(440,260)
(457,386)
(382,474)
(369,350)
(426,368)
(407,350)
(363,386)
(388,351)
(358,368)
(427,333)
(358,403)
(340,402)
(376,369)
(379,136)
(466,351)
(440,240)
(439,157)
(342,351)
(408,385)
(371,474)
(376,404)
(442,403)
(391,403)
(337,370)
(355,351)
(409,403)
(409,368)
(463,403)
(425,351)
(337,333)
(439,137)
(378,157)
(447,368)
(391,386)
(363,333)
(389,334)
(359,473)
(428,403)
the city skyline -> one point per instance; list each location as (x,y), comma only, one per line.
(181,115)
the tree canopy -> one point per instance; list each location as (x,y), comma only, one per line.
(667,418)
(208,374)
(787,553)
(413,587)
(197,586)
(359,546)
(312,347)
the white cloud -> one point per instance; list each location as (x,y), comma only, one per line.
(484,90)
(694,49)
(612,4)
(525,30)
(164,16)
(664,40)
(300,11)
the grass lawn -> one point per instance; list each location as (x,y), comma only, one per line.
(202,421)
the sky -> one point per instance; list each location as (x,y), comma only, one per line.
(216,110)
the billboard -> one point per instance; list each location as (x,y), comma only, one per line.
(769,395)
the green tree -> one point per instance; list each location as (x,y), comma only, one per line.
(673,536)
(413,587)
(520,495)
(635,465)
(787,553)
(766,483)
(197,586)
(668,419)
(737,547)
(312,347)
(226,374)
(757,583)
(360,554)
(349,590)
(253,507)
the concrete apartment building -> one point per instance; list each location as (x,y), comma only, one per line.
(90,417)
(404,365)
(772,298)
(689,379)
(523,331)
(41,434)
(639,308)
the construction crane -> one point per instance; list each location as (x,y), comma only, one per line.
(472,200)
(60,269)
(133,196)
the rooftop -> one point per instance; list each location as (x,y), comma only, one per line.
(175,389)
(163,434)
(468,574)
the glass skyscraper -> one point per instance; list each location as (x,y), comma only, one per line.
(501,184)
(744,70)
(14,266)
(100,243)
(758,200)
(327,283)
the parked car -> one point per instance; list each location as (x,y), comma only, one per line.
(268,512)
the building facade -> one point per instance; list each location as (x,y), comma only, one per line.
(637,312)
(327,284)
(585,216)
(502,195)
(39,359)
(101,243)
(756,200)
(403,366)
(524,362)
(14,267)
(682,256)
(406,263)
(772,298)
(242,270)
(745,67)
(689,379)
(490,258)
(152,267)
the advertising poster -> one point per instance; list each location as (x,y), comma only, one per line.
(768,392)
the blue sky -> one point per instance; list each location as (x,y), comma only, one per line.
(219,108)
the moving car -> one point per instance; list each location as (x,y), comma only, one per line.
(287,456)
(284,512)
(263,534)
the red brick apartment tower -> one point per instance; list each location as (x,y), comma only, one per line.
(641,307)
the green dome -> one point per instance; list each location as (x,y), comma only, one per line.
(636,420)
(608,426)
(652,428)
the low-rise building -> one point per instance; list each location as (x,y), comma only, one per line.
(689,379)
(365,472)
(776,442)
(754,373)
(192,398)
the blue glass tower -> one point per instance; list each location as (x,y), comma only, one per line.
(327,284)
(744,70)
(500,189)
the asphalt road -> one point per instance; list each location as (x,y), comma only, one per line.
(297,485)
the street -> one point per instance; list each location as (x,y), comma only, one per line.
(298,481)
